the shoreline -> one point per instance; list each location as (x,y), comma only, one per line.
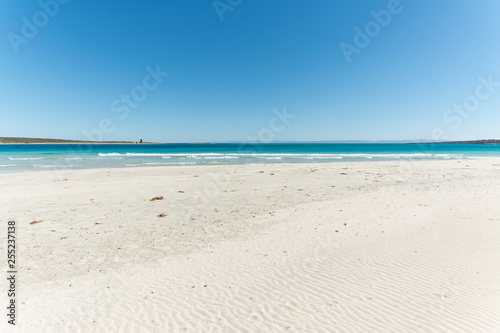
(148,168)
(275,164)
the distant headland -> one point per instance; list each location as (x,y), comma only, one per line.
(8,140)
(472,142)
(20,140)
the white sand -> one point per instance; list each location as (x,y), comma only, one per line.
(387,247)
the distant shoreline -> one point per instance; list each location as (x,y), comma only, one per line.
(46,141)
(470,142)
(78,143)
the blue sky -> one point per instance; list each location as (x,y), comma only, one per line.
(371,70)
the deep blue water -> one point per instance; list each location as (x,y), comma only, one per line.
(40,157)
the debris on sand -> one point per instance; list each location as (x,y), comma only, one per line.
(161,215)
(35,222)
(157,198)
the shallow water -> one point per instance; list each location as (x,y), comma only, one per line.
(64,156)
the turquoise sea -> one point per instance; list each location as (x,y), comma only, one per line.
(63,156)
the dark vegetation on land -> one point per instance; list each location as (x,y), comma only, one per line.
(475,142)
(38,140)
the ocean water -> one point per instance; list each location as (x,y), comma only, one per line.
(63,156)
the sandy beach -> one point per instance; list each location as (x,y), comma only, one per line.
(333,247)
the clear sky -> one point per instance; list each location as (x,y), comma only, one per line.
(365,70)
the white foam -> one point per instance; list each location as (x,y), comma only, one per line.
(220,157)
(280,156)
(483,157)
(24,158)
(109,154)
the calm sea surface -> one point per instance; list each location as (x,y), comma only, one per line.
(54,156)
